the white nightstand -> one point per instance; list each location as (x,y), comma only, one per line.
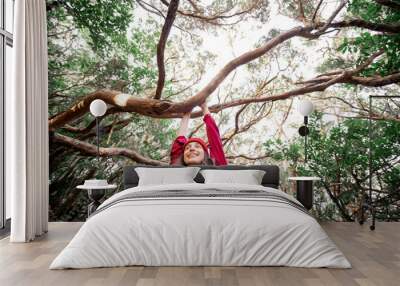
(95,194)
(304,190)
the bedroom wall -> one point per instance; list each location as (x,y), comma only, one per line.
(115,48)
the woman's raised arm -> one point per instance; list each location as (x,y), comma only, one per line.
(214,138)
(180,140)
(184,127)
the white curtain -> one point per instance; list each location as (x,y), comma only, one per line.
(27,130)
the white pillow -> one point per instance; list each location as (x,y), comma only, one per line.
(249,177)
(165,176)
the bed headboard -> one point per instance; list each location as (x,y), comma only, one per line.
(270,179)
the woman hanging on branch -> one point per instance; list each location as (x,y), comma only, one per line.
(194,151)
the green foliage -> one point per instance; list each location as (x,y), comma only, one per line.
(340,155)
(371,10)
(104,21)
(100,44)
(366,43)
(292,152)
(94,45)
(332,64)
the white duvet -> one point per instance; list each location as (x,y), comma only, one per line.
(200,231)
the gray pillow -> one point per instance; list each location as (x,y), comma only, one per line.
(249,177)
(165,176)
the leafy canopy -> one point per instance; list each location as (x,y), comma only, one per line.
(367,43)
(339,154)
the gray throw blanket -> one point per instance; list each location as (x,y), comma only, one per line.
(202,194)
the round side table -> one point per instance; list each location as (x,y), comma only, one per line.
(304,190)
(95,194)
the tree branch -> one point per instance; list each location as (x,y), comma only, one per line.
(259,115)
(331,18)
(316,11)
(90,149)
(375,81)
(167,109)
(389,3)
(213,19)
(301,16)
(378,27)
(123,102)
(157,109)
(163,108)
(245,58)
(173,7)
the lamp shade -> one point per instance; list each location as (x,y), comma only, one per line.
(305,107)
(98,107)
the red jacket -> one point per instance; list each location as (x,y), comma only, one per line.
(214,143)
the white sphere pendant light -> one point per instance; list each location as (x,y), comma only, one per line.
(98,107)
(306,107)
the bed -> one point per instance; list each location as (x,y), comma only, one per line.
(201,224)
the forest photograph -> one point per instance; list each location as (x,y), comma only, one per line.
(243,67)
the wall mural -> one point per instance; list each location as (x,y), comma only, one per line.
(251,61)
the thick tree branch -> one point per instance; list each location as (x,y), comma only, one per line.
(366,81)
(172,8)
(375,118)
(163,108)
(123,102)
(157,109)
(90,149)
(167,109)
(232,65)
(281,96)
(389,3)
(378,27)
(376,81)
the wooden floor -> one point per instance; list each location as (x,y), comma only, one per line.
(375,257)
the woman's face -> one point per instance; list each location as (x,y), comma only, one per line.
(193,154)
